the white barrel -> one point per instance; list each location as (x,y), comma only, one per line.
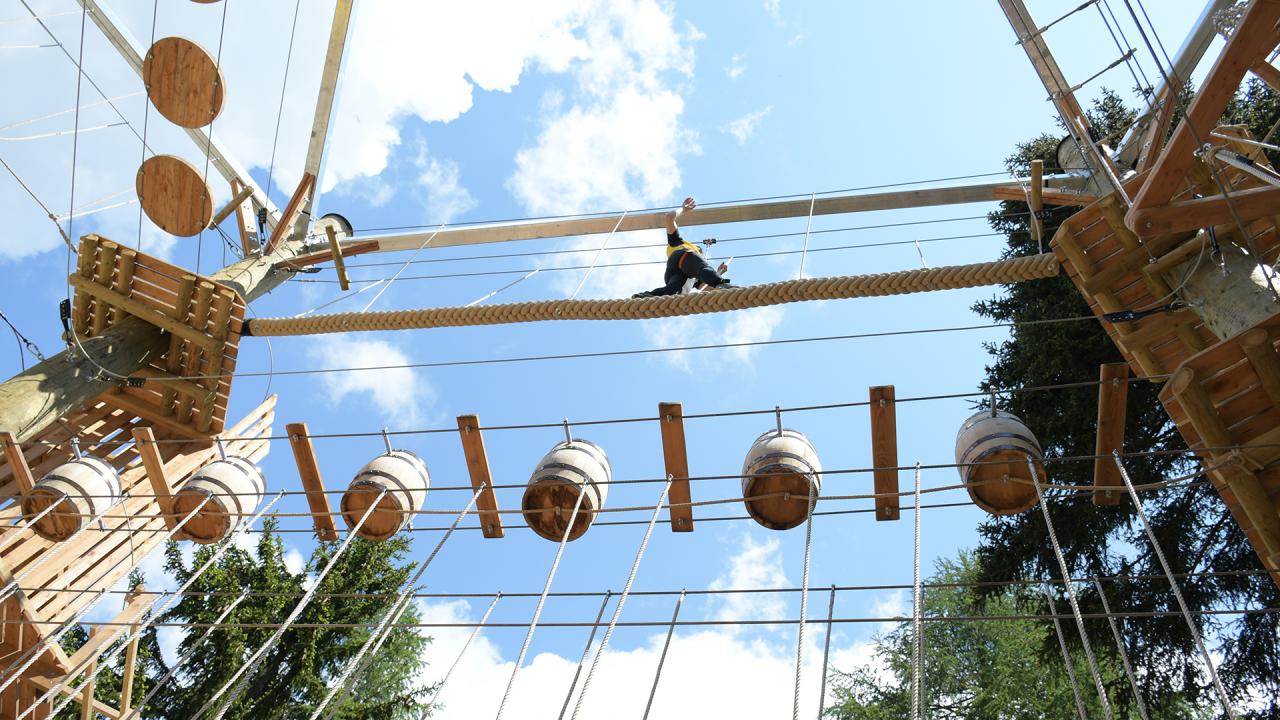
(82,489)
(571,468)
(405,478)
(992,453)
(781,466)
(234,487)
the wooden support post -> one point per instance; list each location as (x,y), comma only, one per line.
(144,441)
(1197,213)
(126,677)
(301,197)
(86,690)
(338,263)
(1037,200)
(1259,348)
(246,223)
(1268,74)
(676,461)
(312,482)
(478,468)
(102,281)
(884,451)
(1113,399)
(235,203)
(17,463)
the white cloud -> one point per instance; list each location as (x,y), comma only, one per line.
(774,8)
(446,197)
(705,673)
(744,127)
(754,325)
(737,65)
(743,326)
(400,394)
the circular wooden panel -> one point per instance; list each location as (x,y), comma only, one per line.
(174,195)
(183,82)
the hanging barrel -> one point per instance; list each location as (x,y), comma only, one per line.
(992,453)
(781,466)
(234,487)
(82,489)
(405,478)
(571,468)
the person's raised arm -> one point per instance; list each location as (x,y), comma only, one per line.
(672,227)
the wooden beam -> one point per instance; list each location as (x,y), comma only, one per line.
(144,441)
(884,451)
(1253,38)
(1113,398)
(143,311)
(1037,200)
(234,204)
(1260,349)
(676,461)
(1268,74)
(246,224)
(86,689)
(338,264)
(312,482)
(139,602)
(45,684)
(478,468)
(1047,197)
(314,258)
(126,677)
(297,203)
(1198,213)
(329,77)
(17,463)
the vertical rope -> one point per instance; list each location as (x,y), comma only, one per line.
(587,274)
(826,653)
(1124,656)
(354,667)
(542,600)
(458,660)
(1071,593)
(662,659)
(804,253)
(1066,655)
(245,673)
(1177,589)
(591,638)
(804,597)
(917,624)
(622,599)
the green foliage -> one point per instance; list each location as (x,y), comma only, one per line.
(1191,522)
(984,669)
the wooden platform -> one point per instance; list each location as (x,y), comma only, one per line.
(204,320)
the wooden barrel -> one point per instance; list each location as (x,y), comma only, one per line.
(405,478)
(234,487)
(992,454)
(781,463)
(82,489)
(569,469)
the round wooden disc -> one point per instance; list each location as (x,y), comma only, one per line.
(209,525)
(174,195)
(383,523)
(779,513)
(59,524)
(547,506)
(1001,485)
(183,82)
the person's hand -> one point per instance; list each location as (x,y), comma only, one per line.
(724,268)
(689,204)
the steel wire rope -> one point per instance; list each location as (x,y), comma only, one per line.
(146,118)
(14,531)
(596,257)
(1143,85)
(1124,655)
(284,85)
(662,659)
(444,682)
(812,481)
(1066,654)
(404,267)
(50,116)
(917,610)
(622,600)
(586,652)
(208,151)
(826,653)
(65,238)
(14,585)
(58,133)
(25,345)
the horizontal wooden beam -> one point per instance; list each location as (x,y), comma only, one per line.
(359,247)
(141,310)
(676,460)
(1047,197)
(44,684)
(243,194)
(304,454)
(1188,215)
(478,468)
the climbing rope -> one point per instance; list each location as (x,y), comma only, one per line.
(804,591)
(1066,655)
(1124,656)
(586,651)
(1003,272)
(662,659)
(917,626)
(826,652)
(458,660)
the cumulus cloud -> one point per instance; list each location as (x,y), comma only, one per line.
(439,181)
(744,326)
(744,127)
(737,65)
(774,8)
(400,394)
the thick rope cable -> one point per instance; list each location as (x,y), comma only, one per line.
(1000,272)
(826,653)
(245,673)
(1066,654)
(662,659)
(542,600)
(355,666)
(622,599)
(586,652)
(1124,656)
(1177,589)
(1071,593)
(185,657)
(804,589)
(444,682)
(917,609)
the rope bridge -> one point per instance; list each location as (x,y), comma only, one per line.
(1033,267)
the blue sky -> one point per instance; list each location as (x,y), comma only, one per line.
(507,109)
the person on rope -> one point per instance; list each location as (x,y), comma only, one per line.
(686,268)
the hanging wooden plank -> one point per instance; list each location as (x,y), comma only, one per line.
(478,467)
(884,451)
(304,454)
(144,440)
(17,462)
(676,460)
(1113,398)
(338,263)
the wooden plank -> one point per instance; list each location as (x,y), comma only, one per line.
(313,258)
(1037,200)
(192,357)
(152,414)
(676,461)
(291,212)
(17,462)
(126,679)
(328,86)
(85,257)
(1197,213)
(884,451)
(146,313)
(1061,198)
(478,468)
(338,264)
(1253,38)
(220,314)
(304,455)
(126,264)
(246,223)
(43,684)
(1260,349)
(145,442)
(86,689)
(106,266)
(139,602)
(1113,398)
(235,203)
